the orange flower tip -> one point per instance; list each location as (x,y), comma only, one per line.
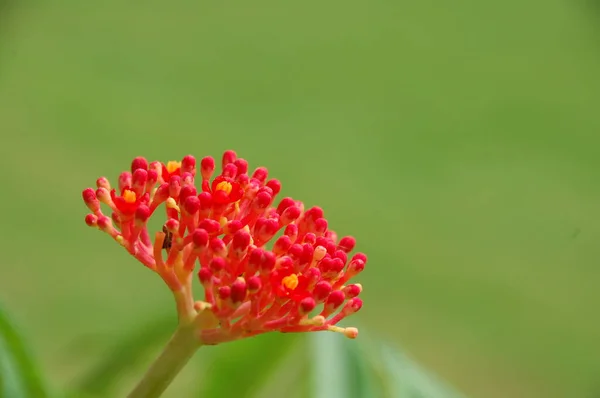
(240,241)
(340,254)
(335,299)
(260,174)
(322,290)
(211,226)
(313,275)
(255,257)
(207,167)
(275,185)
(290,215)
(262,200)
(224,292)
(316,321)
(320,226)
(320,253)
(328,244)
(239,290)
(353,290)
(230,171)
(310,239)
(90,199)
(254,284)
(129,196)
(292,231)
(331,266)
(187,191)
(142,213)
(200,238)
(91,220)
(229,156)
(243,180)
(360,256)
(172,204)
(314,213)
(104,223)
(284,204)
(139,163)
(191,204)
(139,178)
(306,305)
(152,178)
(284,262)
(231,227)
(242,166)
(171,225)
(295,251)
(188,164)
(217,264)
(174,186)
(218,247)
(265,229)
(103,182)
(267,261)
(347,244)
(290,281)
(205,276)
(356,265)
(282,245)
(162,193)
(205,201)
(353,305)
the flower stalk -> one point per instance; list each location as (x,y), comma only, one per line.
(179,350)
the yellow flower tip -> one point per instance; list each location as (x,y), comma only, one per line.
(224,186)
(120,240)
(318,320)
(202,305)
(320,253)
(290,281)
(172,204)
(351,333)
(173,165)
(129,196)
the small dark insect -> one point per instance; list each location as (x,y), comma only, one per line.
(168,239)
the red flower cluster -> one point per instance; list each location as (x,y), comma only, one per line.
(300,284)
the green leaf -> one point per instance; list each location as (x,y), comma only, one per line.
(369,368)
(124,356)
(242,367)
(340,368)
(19,376)
(406,379)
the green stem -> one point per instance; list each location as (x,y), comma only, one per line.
(176,354)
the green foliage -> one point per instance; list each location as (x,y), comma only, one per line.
(241,368)
(124,356)
(367,368)
(316,365)
(19,375)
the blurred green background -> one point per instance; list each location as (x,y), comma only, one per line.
(457,141)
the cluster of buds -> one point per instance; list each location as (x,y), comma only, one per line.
(263,266)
